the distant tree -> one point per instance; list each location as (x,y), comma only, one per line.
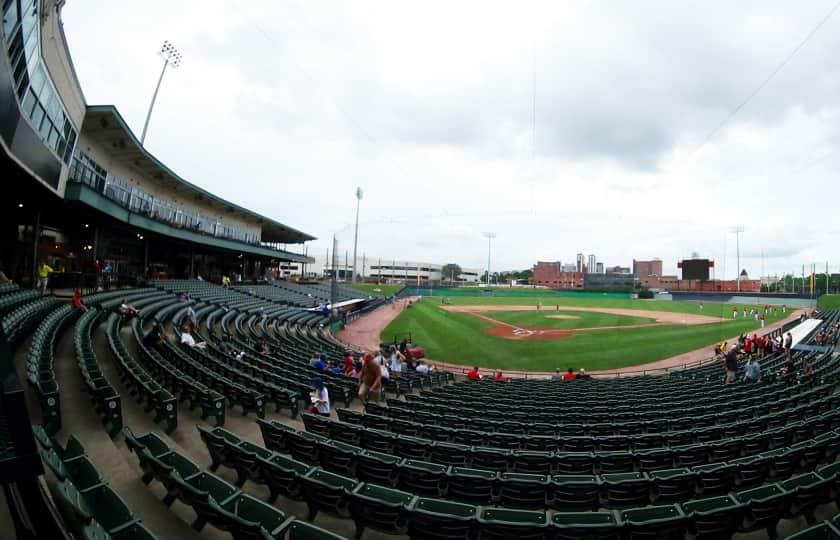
(451,271)
(744,272)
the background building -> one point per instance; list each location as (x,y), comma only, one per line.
(608,282)
(580,263)
(590,268)
(383,269)
(599,268)
(673,283)
(617,270)
(551,274)
(652,267)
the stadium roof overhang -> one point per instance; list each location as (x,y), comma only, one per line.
(104,125)
(90,197)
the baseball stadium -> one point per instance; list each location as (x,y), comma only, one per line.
(177,365)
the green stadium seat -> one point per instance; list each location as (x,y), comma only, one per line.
(150,441)
(715,517)
(304,446)
(245,463)
(809,491)
(474,486)
(101,504)
(411,447)
(574,493)
(523,490)
(491,459)
(625,490)
(377,440)
(574,463)
(275,435)
(716,479)
(136,531)
(615,462)
(327,492)
(219,443)
(576,525)
(301,530)
(507,523)
(691,456)
(822,531)
(436,519)
(752,471)
(380,508)
(655,459)
(532,462)
(423,478)
(212,499)
(377,467)
(655,522)
(256,520)
(453,455)
(768,504)
(673,485)
(283,476)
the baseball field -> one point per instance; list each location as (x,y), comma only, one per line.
(542,333)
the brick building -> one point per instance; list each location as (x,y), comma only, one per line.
(652,267)
(551,274)
(673,283)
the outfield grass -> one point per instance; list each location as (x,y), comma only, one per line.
(459,338)
(829,301)
(581,319)
(373,288)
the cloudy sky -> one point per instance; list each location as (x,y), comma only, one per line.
(600,127)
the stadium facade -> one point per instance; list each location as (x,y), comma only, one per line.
(383,269)
(86,189)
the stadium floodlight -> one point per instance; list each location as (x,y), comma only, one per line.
(359,194)
(489,236)
(172,57)
(738,230)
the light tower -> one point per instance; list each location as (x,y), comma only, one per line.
(489,236)
(738,230)
(359,194)
(172,57)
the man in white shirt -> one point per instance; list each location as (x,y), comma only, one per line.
(421,368)
(189,341)
(383,368)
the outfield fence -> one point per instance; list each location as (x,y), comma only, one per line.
(508,292)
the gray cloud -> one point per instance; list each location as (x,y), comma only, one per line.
(286,107)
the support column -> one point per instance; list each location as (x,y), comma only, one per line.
(36,237)
(146,256)
(95,242)
(192,263)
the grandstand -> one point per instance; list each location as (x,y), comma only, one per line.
(109,430)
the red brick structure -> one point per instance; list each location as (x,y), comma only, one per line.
(673,283)
(549,274)
(643,269)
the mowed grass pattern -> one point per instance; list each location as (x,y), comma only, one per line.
(581,319)
(458,338)
(373,288)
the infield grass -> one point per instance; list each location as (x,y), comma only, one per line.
(458,338)
(577,319)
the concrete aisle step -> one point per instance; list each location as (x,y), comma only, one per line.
(80,419)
